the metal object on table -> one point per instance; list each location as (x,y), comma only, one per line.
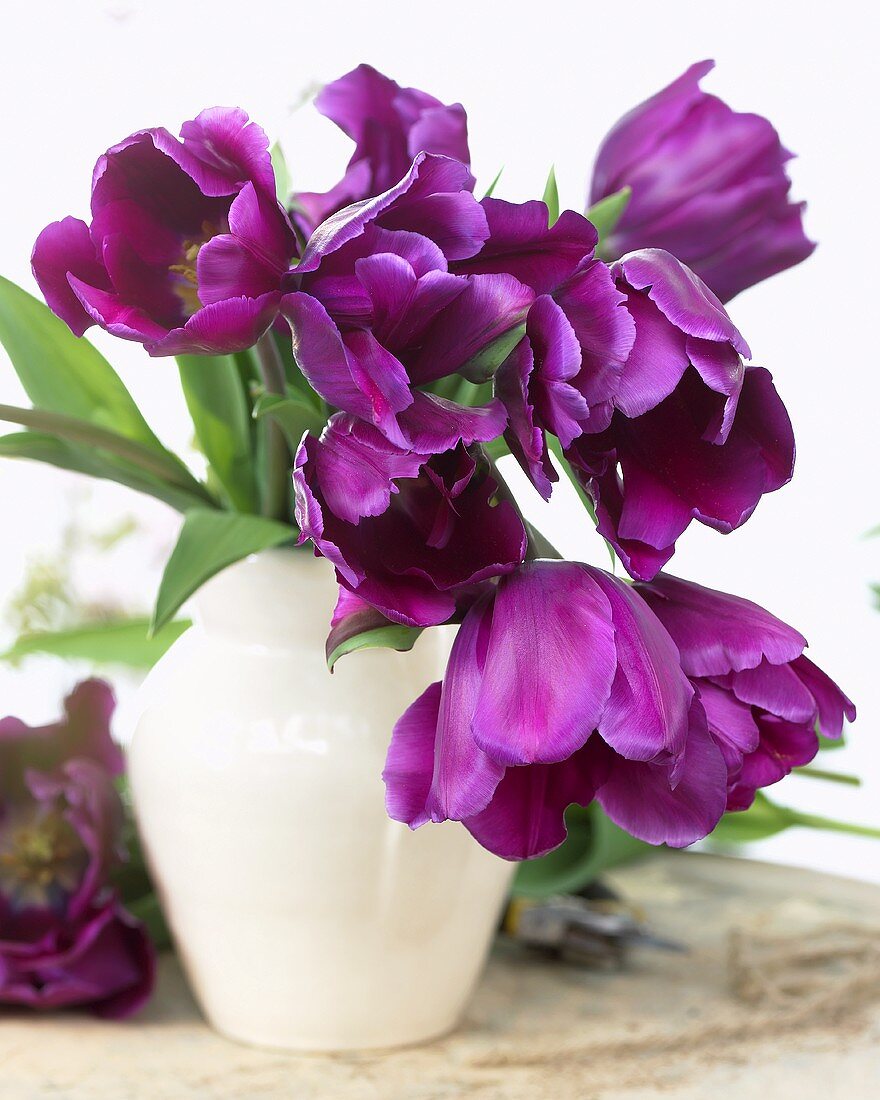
(592,928)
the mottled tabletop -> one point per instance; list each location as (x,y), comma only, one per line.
(778,995)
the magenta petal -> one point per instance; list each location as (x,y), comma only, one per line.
(657,361)
(832,704)
(721,368)
(488,308)
(647,713)
(409,766)
(355,374)
(775,688)
(355,465)
(718,633)
(458,226)
(783,746)
(550,664)
(524,437)
(441,130)
(229,151)
(66,247)
(640,797)
(403,304)
(558,357)
(115,315)
(433,424)
(731,723)
(221,328)
(464,777)
(521,244)
(681,296)
(390,125)
(105,962)
(596,311)
(252,257)
(636,135)
(525,818)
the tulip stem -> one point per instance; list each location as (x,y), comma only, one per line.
(275,496)
(539,546)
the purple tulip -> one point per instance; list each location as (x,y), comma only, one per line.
(390,126)
(763,698)
(375,311)
(64,937)
(562,687)
(406,531)
(708,183)
(695,434)
(187,243)
(565,372)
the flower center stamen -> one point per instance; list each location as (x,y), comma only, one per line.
(185,283)
(38,852)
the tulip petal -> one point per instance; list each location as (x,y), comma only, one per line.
(832,704)
(525,818)
(354,373)
(433,424)
(680,295)
(640,797)
(521,243)
(456,222)
(488,308)
(409,766)
(775,688)
(550,665)
(646,717)
(717,633)
(221,328)
(63,248)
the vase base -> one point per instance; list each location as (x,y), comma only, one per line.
(318,1048)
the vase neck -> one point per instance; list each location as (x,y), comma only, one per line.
(278,598)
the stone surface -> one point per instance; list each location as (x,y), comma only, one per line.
(778,995)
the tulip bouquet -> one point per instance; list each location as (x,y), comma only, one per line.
(357,361)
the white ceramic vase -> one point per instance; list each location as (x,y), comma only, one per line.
(304,917)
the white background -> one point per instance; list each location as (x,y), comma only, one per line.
(542,83)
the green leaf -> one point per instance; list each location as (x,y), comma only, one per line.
(594,843)
(220,411)
(393,636)
(123,642)
(763,819)
(607,212)
(208,543)
(148,911)
(283,185)
(490,190)
(64,373)
(551,198)
(157,464)
(293,415)
(483,365)
(39,447)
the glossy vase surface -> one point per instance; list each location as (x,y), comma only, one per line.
(304,917)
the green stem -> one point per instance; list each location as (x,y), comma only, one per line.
(275,503)
(813,821)
(166,467)
(831,777)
